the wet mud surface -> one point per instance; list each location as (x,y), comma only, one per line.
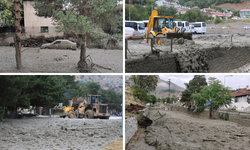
(38,60)
(58,133)
(174,131)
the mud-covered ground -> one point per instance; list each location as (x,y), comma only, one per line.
(175,131)
(139,47)
(45,133)
(36,60)
(140,50)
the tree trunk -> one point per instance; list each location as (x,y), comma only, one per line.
(17,36)
(211,110)
(82,64)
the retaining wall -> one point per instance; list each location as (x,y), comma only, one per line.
(130,128)
(240,119)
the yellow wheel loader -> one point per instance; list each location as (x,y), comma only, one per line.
(88,108)
(163,26)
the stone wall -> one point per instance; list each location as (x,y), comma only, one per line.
(130,128)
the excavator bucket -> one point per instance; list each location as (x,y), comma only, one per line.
(180,35)
(58,111)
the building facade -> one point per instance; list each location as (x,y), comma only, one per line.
(37,26)
(245,13)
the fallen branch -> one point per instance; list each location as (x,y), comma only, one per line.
(208,140)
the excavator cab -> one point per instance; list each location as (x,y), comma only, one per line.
(162,22)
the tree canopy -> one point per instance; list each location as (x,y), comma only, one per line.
(84,18)
(194,85)
(141,85)
(205,3)
(214,95)
(7,12)
(49,90)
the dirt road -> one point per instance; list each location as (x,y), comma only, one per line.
(177,131)
(38,60)
(46,133)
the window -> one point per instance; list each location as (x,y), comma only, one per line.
(204,24)
(44,29)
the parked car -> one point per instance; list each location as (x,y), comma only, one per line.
(60,44)
(19,114)
(130,34)
(225,27)
(247,27)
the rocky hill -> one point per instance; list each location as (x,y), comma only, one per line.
(244,4)
(113,82)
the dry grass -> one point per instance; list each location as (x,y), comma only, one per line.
(117,145)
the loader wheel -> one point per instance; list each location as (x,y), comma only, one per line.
(71,114)
(77,113)
(89,114)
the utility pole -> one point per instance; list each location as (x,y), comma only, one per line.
(169,88)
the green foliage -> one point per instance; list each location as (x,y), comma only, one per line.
(194,85)
(152,98)
(217,20)
(141,85)
(170,11)
(1,114)
(224,116)
(7,12)
(93,88)
(113,99)
(216,92)
(195,15)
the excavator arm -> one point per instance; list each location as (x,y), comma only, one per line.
(151,22)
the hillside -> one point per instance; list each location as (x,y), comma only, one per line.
(113,82)
(162,89)
(236,7)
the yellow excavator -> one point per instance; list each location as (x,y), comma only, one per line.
(163,26)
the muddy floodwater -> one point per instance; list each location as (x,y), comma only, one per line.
(45,133)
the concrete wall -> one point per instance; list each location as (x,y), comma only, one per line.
(33,23)
(130,128)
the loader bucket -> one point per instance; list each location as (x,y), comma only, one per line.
(180,35)
(58,111)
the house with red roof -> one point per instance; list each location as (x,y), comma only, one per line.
(241,95)
(245,13)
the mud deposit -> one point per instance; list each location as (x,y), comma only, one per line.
(58,133)
(59,61)
(200,55)
(174,131)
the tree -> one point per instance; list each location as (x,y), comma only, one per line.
(147,82)
(84,18)
(93,88)
(170,11)
(194,85)
(48,91)
(214,93)
(10,14)
(152,98)
(217,20)
(15,92)
(113,99)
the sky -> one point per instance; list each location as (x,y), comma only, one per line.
(233,81)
